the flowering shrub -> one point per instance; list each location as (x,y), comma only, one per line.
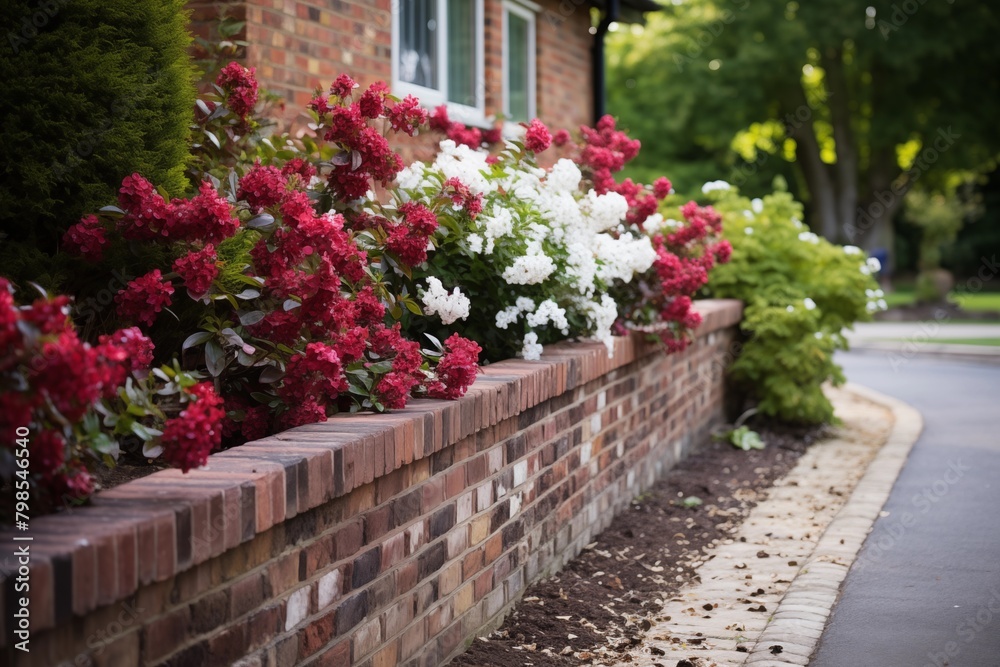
(800,293)
(74,404)
(300,293)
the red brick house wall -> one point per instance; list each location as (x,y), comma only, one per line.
(299,45)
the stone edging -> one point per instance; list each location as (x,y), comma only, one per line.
(818,582)
(151,529)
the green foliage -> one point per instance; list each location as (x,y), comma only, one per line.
(102,89)
(800,293)
(841,97)
(745,439)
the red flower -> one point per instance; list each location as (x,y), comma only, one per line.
(309,411)
(48,453)
(132,346)
(457,369)
(70,375)
(198,269)
(257,422)
(315,373)
(372,102)
(208,217)
(240,85)
(394,388)
(86,238)
(662,187)
(262,187)
(190,437)
(146,211)
(723,251)
(75,484)
(50,315)
(537,138)
(468,136)
(561,138)
(407,116)
(342,86)
(144,298)
(9,316)
(439,119)
(493,135)
(299,167)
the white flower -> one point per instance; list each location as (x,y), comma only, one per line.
(748,214)
(531,351)
(498,225)
(507,316)
(524,304)
(600,318)
(757,205)
(654,223)
(796,222)
(818,335)
(411,176)
(871,306)
(790,308)
(748,230)
(874,265)
(549,311)
(529,269)
(564,177)
(809,237)
(809,303)
(449,307)
(865,271)
(852,250)
(475,243)
(882,304)
(714,185)
(623,257)
(604,211)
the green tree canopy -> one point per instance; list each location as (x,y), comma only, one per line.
(854,102)
(93,90)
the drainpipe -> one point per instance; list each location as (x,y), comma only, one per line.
(600,87)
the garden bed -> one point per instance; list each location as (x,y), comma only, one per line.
(596,610)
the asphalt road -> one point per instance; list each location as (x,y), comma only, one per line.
(925,590)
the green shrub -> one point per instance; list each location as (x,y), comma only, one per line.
(800,292)
(93,90)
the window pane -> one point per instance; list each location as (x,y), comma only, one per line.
(462,52)
(518,81)
(418,42)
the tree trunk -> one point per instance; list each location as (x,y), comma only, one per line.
(799,126)
(846,168)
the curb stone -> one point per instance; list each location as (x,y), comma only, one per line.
(855,521)
(811,527)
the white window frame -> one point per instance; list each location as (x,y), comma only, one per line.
(430,98)
(527,11)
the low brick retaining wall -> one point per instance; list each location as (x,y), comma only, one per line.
(371,540)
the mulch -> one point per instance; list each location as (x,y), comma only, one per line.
(597,608)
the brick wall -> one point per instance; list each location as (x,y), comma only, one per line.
(299,45)
(371,540)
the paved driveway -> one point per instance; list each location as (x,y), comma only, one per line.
(925,590)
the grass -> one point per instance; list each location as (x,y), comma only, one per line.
(980,301)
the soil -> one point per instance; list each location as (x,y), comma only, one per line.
(598,607)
